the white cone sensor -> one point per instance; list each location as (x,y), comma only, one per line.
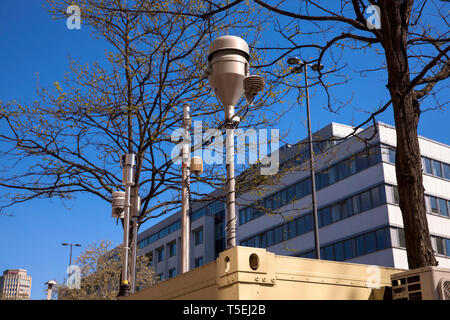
(228,59)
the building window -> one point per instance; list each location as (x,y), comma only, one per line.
(172,249)
(447,247)
(428,168)
(160,276)
(434,205)
(198,262)
(198,236)
(370,242)
(443,210)
(339,251)
(437,168)
(172,272)
(160,254)
(150,258)
(446,168)
(366,202)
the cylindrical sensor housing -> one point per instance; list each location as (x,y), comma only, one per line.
(128,162)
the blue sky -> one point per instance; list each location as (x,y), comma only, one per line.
(32,42)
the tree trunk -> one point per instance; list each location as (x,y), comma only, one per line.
(395,16)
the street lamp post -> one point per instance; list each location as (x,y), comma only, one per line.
(71,244)
(316,67)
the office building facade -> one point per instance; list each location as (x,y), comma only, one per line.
(359,217)
(15,284)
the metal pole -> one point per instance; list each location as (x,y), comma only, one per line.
(134,250)
(231,205)
(126,235)
(311,165)
(185,173)
(70,259)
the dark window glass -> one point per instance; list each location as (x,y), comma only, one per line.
(309,255)
(322,253)
(172,249)
(395,195)
(269,203)
(326,216)
(347,208)
(351,166)
(278,235)
(446,168)
(171,273)
(198,262)
(381,239)
(440,245)
(443,207)
(291,229)
(263,240)
(437,168)
(366,202)
(382,191)
(401,238)
(447,247)
(360,246)
(356,204)
(376,199)
(306,186)
(308,223)
(198,237)
(434,206)
(269,238)
(428,168)
(349,249)
(242,216)
(361,162)
(329,253)
(298,190)
(300,225)
(343,170)
(339,251)
(160,253)
(370,242)
(284,197)
(290,193)
(333,174)
(322,180)
(392,156)
(335,213)
(276,202)
(374,156)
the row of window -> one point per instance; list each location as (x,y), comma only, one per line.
(209,210)
(332,213)
(432,204)
(303,154)
(433,167)
(173,271)
(160,234)
(437,205)
(354,247)
(172,246)
(440,245)
(331,175)
(212,209)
